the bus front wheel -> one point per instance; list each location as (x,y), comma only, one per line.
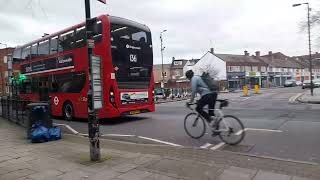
(68,111)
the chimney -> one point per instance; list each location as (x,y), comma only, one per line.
(257,53)
(212,50)
(270,56)
(246,53)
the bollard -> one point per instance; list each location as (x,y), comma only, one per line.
(256,89)
(245,91)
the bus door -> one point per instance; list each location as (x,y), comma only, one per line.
(44,89)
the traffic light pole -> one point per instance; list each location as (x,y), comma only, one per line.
(93,124)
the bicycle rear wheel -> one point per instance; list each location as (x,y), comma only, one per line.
(231,129)
(194,125)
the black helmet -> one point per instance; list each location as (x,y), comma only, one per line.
(189,74)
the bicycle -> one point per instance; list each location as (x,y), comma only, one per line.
(225,125)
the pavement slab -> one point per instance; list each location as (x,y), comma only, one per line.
(263,175)
(237,173)
(185,169)
(134,175)
(47,174)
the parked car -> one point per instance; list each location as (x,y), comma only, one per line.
(317,83)
(307,84)
(290,83)
(159,95)
(298,83)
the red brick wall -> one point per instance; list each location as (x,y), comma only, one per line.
(3,69)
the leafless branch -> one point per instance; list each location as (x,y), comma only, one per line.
(211,70)
(314,21)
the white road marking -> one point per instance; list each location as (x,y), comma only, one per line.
(68,127)
(245,98)
(205,146)
(268,130)
(294,98)
(218,146)
(239,132)
(118,135)
(159,141)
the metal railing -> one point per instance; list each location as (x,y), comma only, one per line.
(14,110)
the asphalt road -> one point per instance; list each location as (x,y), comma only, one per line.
(297,125)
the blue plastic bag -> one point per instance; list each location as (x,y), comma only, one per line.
(54,133)
(39,133)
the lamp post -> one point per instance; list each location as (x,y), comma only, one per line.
(6,53)
(309,41)
(162,49)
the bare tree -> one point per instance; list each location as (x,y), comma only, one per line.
(314,23)
(211,70)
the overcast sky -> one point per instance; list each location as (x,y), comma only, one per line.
(193,26)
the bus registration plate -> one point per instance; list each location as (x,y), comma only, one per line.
(135,112)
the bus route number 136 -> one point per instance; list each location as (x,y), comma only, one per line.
(133,58)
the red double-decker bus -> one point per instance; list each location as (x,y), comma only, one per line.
(56,67)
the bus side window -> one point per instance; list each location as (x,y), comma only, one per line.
(54,45)
(17,55)
(66,41)
(26,53)
(80,37)
(43,48)
(34,51)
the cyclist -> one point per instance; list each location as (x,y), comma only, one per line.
(207,97)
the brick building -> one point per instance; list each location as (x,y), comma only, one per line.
(304,60)
(282,68)
(245,70)
(157,71)
(3,70)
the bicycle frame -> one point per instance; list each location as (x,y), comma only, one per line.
(218,114)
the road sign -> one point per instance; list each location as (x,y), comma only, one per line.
(97,82)
(103,1)
(90,43)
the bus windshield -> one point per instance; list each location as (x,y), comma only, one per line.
(131,56)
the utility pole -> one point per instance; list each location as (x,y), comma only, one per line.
(162,49)
(309,42)
(93,122)
(310,56)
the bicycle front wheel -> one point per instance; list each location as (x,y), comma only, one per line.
(231,130)
(194,125)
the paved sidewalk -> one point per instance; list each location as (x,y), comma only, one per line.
(68,159)
(307,98)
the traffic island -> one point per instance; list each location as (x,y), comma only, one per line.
(307,98)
